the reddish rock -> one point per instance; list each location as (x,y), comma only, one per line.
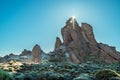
(37,54)
(82,46)
(87,33)
(108,53)
(74,41)
(58,43)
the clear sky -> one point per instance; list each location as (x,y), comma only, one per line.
(24,23)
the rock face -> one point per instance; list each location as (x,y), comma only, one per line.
(26,56)
(108,53)
(88,34)
(58,43)
(9,57)
(82,46)
(26,53)
(37,53)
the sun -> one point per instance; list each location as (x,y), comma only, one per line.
(73,17)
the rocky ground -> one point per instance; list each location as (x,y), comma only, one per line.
(62,71)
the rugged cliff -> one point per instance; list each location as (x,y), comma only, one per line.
(82,46)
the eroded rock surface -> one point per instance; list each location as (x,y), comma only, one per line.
(58,43)
(26,53)
(82,46)
(37,53)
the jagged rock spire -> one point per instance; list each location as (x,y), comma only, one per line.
(58,43)
(37,53)
(82,46)
(71,23)
(74,41)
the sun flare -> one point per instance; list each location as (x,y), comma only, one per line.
(73,17)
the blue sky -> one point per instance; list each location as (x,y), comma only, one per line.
(24,23)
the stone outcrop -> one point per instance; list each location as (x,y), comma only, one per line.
(9,57)
(58,43)
(82,46)
(74,41)
(37,54)
(26,53)
(108,53)
(26,56)
(88,34)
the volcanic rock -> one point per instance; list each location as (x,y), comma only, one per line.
(82,46)
(58,43)
(108,53)
(26,53)
(37,53)
(74,41)
(88,34)
(9,57)
(25,56)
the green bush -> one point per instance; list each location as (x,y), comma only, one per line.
(5,75)
(106,74)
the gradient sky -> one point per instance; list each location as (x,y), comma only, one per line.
(24,23)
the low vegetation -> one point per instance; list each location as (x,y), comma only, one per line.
(106,74)
(5,75)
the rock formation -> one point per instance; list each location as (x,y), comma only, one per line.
(58,43)
(82,46)
(79,45)
(26,53)
(37,53)
(9,57)
(108,53)
(26,56)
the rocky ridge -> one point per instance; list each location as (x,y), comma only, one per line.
(34,56)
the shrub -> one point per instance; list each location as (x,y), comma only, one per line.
(106,74)
(5,75)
